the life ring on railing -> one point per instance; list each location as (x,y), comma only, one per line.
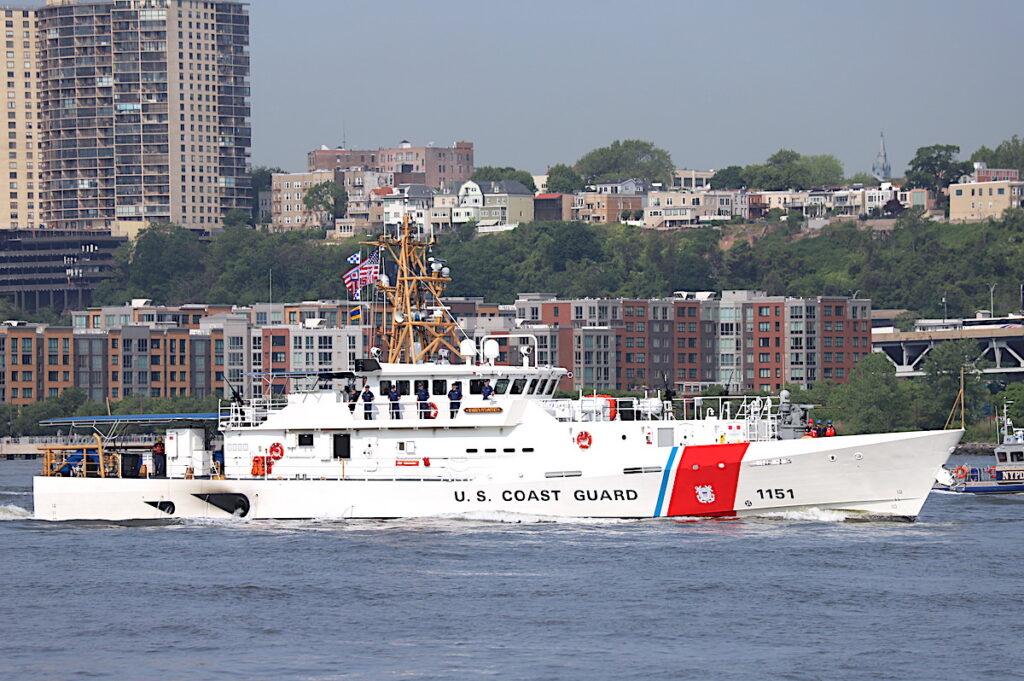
(277,451)
(960,472)
(991,470)
(584,440)
(613,408)
(431,410)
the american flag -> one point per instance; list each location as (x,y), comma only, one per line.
(355,258)
(363,274)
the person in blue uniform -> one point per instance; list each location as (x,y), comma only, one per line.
(394,396)
(455,399)
(487,390)
(423,400)
(367,398)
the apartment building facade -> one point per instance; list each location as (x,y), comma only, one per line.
(144,112)
(288,191)
(975,201)
(436,167)
(21,201)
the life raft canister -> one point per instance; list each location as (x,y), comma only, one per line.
(277,451)
(584,440)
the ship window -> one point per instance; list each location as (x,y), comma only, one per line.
(501,386)
(305,439)
(385,387)
(439,387)
(1016,456)
(552,385)
(403,387)
(509,450)
(476,386)
(527,450)
(1001,457)
(472,450)
(533,387)
(490,451)
(518,385)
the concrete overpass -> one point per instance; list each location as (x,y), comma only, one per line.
(1000,347)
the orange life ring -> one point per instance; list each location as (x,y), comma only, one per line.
(432,410)
(613,407)
(583,440)
(277,451)
(960,472)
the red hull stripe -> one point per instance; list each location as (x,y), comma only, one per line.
(706,480)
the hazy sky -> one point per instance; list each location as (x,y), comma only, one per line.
(715,83)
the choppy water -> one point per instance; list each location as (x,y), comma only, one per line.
(798,597)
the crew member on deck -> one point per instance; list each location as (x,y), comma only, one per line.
(487,390)
(423,400)
(353,396)
(455,398)
(159,460)
(367,403)
(830,430)
(394,396)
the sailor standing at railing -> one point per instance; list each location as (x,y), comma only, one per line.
(394,397)
(455,398)
(367,403)
(423,399)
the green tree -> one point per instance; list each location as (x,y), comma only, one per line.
(730,177)
(872,400)
(496,174)
(326,197)
(261,177)
(563,180)
(1008,154)
(936,167)
(624,159)
(237,217)
(866,179)
(942,368)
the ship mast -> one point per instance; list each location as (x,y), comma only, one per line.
(420,325)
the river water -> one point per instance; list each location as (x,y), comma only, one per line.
(795,597)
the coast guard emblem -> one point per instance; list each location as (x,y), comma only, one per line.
(705,494)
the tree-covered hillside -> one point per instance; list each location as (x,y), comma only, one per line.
(911,267)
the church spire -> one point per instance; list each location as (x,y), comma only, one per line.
(881,168)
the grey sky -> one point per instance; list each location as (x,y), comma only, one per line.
(715,83)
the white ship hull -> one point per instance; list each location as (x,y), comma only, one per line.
(878,476)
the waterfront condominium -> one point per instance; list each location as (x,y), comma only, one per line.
(144,112)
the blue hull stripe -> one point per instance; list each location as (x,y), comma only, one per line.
(664,481)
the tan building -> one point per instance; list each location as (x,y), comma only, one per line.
(435,167)
(20,202)
(144,112)
(973,201)
(694,180)
(287,200)
(604,208)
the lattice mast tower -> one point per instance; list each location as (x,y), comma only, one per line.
(419,326)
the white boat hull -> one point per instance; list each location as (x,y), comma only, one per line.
(883,476)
